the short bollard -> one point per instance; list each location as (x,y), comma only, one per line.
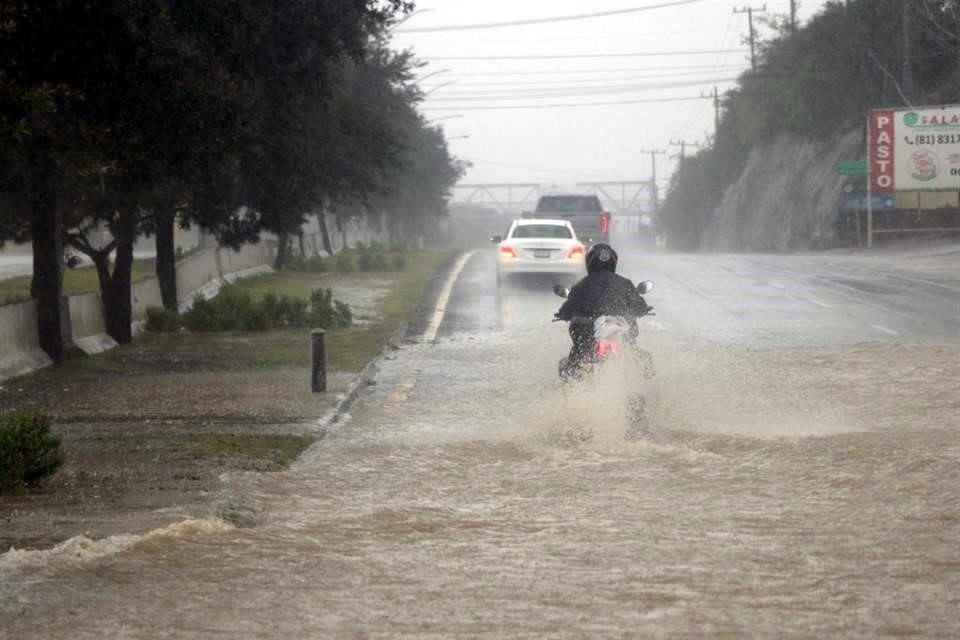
(318,381)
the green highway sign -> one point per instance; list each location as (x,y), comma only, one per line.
(852,168)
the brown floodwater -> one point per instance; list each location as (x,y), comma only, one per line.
(793,492)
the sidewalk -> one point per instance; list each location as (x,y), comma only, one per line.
(156,431)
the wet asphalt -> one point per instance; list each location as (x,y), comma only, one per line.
(747,300)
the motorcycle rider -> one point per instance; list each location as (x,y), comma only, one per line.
(601,293)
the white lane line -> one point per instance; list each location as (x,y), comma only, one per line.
(431,333)
(883,329)
(820,304)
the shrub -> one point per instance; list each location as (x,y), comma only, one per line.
(160,320)
(290,312)
(202,315)
(399,262)
(318,265)
(377,247)
(342,313)
(378,262)
(365,262)
(313,264)
(235,309)
(327,313)
(29,452)
(344,262)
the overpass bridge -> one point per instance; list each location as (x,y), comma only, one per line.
(627,197)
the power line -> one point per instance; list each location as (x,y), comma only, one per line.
(518,23)
(563,106)
(573,92)
(574,81)
(498,73)
(645,54)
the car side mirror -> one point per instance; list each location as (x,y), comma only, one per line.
(496,239)
(561,290)
(645,287)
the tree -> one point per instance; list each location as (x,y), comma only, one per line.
(110,109)
(816,82)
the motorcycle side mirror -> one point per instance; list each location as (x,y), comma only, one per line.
(645,287)
(496,239)
(561,290)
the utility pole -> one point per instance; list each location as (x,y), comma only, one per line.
(793,16)
(683,144)
(716,109)
(906,78)
(654,195)
(749,10)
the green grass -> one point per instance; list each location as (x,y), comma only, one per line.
(280,449)
(289,283)
(75,281)
(347,349)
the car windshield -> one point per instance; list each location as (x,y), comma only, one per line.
(570,204)
(542,231)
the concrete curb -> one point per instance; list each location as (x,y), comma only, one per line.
(364,379)
(401,336)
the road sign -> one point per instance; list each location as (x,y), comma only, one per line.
(858,202)
(852,168)
(915,149)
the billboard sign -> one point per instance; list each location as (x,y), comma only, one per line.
(915,149)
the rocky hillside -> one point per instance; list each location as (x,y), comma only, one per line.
(786,198)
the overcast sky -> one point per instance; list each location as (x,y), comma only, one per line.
(561,146)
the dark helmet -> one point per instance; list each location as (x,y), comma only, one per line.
(601,257)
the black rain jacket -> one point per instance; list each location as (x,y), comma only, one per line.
(603,293)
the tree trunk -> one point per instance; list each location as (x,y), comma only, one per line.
(324,233)
(167,259)
(283,250)
(46,287)
(118,296)
(342,227)
(115,288)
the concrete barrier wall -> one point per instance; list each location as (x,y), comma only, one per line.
(203,272)
(20,350)
(87,328)
(146,293)
(353,232)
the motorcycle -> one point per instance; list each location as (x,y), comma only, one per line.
(613,340)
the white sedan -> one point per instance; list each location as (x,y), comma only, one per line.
(540,246)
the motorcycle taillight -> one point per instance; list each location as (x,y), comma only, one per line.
(606,348)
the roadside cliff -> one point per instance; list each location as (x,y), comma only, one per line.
(787,197)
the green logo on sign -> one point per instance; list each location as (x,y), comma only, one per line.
(911,119)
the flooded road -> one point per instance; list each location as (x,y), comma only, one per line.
(802,480)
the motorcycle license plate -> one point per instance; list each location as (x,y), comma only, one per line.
(541,253)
